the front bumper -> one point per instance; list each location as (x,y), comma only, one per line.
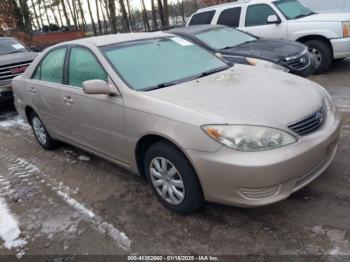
(341,47)
(261,178)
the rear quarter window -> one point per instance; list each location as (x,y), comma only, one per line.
(202,18)
(230,17)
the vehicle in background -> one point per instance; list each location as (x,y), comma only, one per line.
(327,35)
(196,127)
(327,6)
(236,46)
(15,57)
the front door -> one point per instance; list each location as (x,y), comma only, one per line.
(95,121)
(256,22)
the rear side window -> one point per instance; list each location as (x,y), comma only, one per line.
(230,17)
(83,66)
(51,67)
(202,18)
(258,14)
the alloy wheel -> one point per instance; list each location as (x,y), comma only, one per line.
(316,55)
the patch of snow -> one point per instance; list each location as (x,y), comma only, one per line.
(84,158)
(9,230)
(13,122)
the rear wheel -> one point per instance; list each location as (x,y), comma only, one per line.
(172,178)
(322,54)
(41,134)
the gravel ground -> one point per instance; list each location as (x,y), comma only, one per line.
(68,202)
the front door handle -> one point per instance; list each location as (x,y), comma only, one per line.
(32,90)
(68,100)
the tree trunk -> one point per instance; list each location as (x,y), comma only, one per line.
(53,13)
(82,16)
(144,14)
(46,13)
(25,14)
(166,12)
(59,14)
(125,16)
(92,18)
(65,13)
(36,15)
(132,24)
(73,14)
(104,18)
(98,17)
(161,13)
(113,16)
(154,16)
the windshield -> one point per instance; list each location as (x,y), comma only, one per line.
(161,62)
(220,38)
(8,46)
(293,9)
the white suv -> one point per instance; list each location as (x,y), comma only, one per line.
(327,34)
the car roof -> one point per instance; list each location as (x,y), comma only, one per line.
(117,38)
(194,29)
(5,38)
(232,4)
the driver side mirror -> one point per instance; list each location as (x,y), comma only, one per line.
(273,19)
(98,87)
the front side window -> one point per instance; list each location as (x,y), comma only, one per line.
(224,38)
(293,9)
(51,67)
(203,18)
(10,46)
(230,17)
(84,66)
(258,14)
(161,62)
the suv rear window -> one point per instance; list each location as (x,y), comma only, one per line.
(202,18)
(230,17)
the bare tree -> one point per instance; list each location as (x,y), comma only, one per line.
(161,13)
(51,6)
(126,24)
(112,16)
(154,16)
(98,17)
(66,16)
(131,19)
(92,18)
(166,12)
(37,19)
(84,24)
(144,14)
(74,14)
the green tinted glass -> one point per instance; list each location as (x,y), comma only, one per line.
(52,66)
(150,63)
(84,66)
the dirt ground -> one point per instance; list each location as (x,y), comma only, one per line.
(68,202)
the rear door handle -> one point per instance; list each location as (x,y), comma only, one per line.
(32,90)
(68,100)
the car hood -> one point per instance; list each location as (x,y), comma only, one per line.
(17,58)
(326,17)
(271,50)
(246,95)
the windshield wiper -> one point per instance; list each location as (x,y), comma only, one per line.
(13,52)
(213,71)
(159,86)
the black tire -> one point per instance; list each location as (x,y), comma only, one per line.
(193,196)
(49,143)
(326,53)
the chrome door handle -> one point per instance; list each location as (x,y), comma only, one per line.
(32,90)
(68,100)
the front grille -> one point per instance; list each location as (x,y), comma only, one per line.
(7,72)
(310,123)
(299,62)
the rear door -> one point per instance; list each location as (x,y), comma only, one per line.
(255,22)
(95,121)
(45,91)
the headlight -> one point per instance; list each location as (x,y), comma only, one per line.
(249,138)
(266,64)
(346,29)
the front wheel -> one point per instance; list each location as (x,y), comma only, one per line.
(41,134)
(322,53)
(173,178)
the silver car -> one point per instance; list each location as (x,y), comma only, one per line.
(197,128)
